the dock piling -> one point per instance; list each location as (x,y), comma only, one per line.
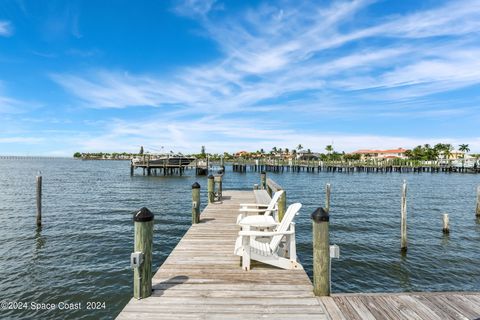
(446,228)
(195,203)
(210,188)
(141,259)
(478,202)
(403,224)
(321,252)
(263,180)
(39,200)
(219,187)
(327,197)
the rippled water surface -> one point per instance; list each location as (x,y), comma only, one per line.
(81,254)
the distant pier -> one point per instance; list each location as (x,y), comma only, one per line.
(345,167)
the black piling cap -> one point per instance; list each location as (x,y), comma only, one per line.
(143,215)
(320,215)
(263,172)
(210,177)
(195,185)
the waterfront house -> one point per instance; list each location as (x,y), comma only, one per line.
(398,153)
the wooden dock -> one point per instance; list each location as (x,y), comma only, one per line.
(419,306)
(202,279)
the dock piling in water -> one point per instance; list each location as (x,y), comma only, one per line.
(403,224)
(478,202)
(141,259)
(195,203)
(446,228)
(210,188)
(218,186)
(263,180)
(39,200)
(327,197)
(321,252)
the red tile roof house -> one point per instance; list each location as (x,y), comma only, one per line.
(382,154)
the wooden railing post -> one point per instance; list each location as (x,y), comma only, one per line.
(403,224)
(141,259)
(195,203)
(321,253)
(263,180)
(39,200)
(210,189)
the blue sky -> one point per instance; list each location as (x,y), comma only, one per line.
(237,75)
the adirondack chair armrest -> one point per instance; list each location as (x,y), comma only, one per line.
(263,233)
(251,210)
(253,205)
(240,217)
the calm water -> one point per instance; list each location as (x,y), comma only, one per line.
(82,252)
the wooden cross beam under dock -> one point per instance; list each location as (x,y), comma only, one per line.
(202,279)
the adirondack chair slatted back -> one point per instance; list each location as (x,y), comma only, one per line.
(285,224)
(273,203)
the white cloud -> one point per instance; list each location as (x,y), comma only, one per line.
(26,140)
(194,7)
(237,134)
(6,29)
(285,59)
(274,51)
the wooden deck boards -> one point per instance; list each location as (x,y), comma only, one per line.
(202,279)
(403,306)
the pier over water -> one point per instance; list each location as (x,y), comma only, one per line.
(202,279)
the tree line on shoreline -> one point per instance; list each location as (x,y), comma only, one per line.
(424,152)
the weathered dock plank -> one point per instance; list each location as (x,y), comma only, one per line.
(407,306)
(202,278)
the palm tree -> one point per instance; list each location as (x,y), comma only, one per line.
(448,151)
(464,148)
(329,148)
(299,147)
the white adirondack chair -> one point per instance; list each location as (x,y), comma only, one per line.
(274,252)
(257,208)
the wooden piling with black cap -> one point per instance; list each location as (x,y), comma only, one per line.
(195,203)
(321,252)
(142,277)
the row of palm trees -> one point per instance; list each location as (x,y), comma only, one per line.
(437,152)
